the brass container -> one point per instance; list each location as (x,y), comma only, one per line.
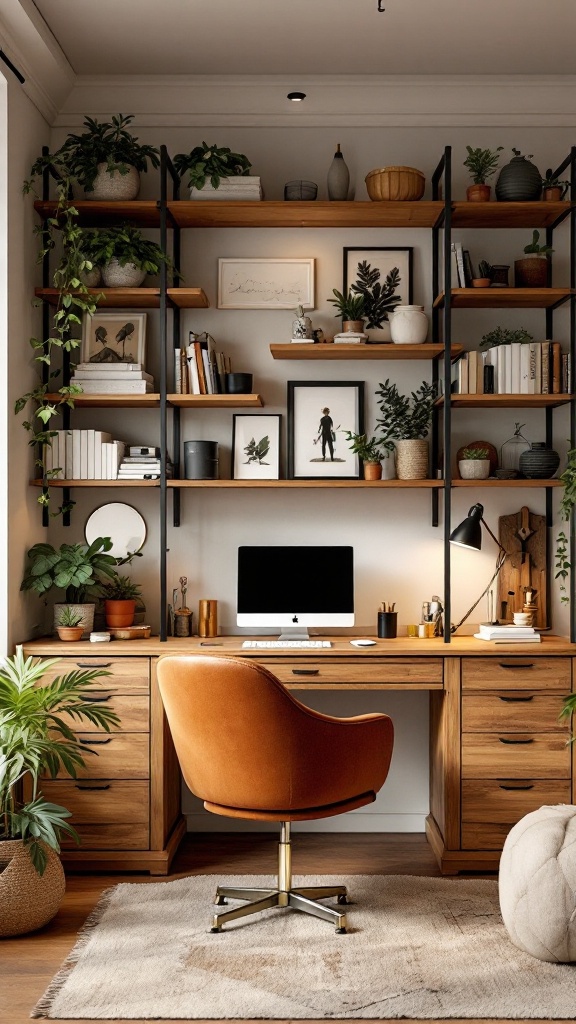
(208,618)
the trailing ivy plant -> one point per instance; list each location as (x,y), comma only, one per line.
(567,503)
(380,299)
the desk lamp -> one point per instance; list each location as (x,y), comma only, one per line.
(469,535)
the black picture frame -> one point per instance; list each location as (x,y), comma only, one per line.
(270,423)
(312,454)
(355,254)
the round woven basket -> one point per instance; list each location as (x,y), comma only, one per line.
(412,460)
(27,900)
(394,184)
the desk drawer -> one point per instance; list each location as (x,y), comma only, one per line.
(477,836)
(133,710)
(385,670)
(526,672)
(505,801)
(127,675)
(99,802)
(110,837)
(515,756)
(510,711)
(118,756)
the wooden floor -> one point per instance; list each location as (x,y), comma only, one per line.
(27,964)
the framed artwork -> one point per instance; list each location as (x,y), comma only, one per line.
(113,337)
(319,415)
(384,277)
(265,283)
(256,446)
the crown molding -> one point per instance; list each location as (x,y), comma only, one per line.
(27,41)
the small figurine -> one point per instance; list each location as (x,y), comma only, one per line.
(183,615)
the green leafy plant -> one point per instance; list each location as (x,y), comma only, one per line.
(505,336)
(103,142)
(482,163)
(534,247)
(550,180)
(121,588)
(126,244)
(405,418)
(369,449)
(379,299)
(256,451)
(475,453)
(210,163)
(69,618)
(484,269)
(565,511)
(36,740)
(350,307)
(76,568)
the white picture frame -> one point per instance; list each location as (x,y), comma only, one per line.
(320,413)
(249,431)
(105,340)
(265,283)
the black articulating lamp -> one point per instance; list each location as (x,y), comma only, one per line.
(469,535)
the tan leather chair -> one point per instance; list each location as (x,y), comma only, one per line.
(249,749)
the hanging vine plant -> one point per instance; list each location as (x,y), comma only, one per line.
(568,501)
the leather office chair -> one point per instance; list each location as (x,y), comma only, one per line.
(249,749)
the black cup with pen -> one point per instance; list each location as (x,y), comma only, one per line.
(387,621)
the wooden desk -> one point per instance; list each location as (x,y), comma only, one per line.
(497,749)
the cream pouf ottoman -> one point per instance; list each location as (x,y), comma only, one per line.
(537,883)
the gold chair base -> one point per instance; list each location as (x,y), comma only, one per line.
(302,898)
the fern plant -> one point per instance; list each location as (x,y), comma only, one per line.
(405,418)
(380,299)
(256,451)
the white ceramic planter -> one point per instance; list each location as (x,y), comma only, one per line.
(91,278)
(408,325)
(115,187)
(474,469)
(128,276)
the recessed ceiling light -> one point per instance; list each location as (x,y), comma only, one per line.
(296,97)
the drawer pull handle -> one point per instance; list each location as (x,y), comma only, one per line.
(305,671)
(517,700)
(99,700)
(515,741)
(101,664)
(96,743)
(512,788)
(530,664)
(107,786)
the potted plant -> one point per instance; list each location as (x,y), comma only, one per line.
(372,452)
(482,164)
(207,165)
(563,564)
(124,255)
(532,271)
(36,741)
(484,279)
(406,421)
(553,190)
(75,568)
(474,464)
(120,595)
(351,308)
(505,336)
(69,624)
(106,160)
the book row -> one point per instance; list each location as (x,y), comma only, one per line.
(199,369)
(521,368)
(95,455)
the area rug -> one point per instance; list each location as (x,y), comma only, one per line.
(417,948)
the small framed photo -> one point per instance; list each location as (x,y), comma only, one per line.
(256,447)
(319,415)
(384,277)
(114,337)
(265,283)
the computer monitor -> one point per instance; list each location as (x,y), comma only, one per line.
(295,587)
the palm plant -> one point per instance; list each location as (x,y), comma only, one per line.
(35,740)
(350,307)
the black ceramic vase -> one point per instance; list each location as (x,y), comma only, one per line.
(519,181)
(539,462)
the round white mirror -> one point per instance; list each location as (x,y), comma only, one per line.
(122,523)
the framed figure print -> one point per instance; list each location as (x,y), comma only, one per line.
(113,337)
(265,283)
(319,415)
(256,447)
(384,277)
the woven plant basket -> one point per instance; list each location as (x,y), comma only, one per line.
(395,184)
(115,187)
(27,900)
(412,460)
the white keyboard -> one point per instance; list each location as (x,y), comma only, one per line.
(267,644)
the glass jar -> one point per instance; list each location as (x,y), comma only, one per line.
(513,448)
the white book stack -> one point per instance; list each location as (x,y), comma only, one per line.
(113,379)
(348,338)
(142,467)
(507,634)
(241,186)
(83,455)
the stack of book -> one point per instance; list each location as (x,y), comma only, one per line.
(142,463)
(199,369)
(522,368)
(350,338)
(242,186)
(83,455)
(112,379)
(508,634)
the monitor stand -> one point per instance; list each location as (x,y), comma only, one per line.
(297,633)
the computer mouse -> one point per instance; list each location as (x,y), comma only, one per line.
(363,643)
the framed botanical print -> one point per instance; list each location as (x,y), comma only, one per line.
(384,277)
(256,447)
(113,337)
(320,413)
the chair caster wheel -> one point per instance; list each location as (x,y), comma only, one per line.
(341,931)
(215,930)
(343,899)
(220,901)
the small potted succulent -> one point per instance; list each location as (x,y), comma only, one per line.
(124,256)
(474,464)
(69,624)
(482,164)
(120,595)
(484,279)
(553,190)
(373,452)
(207,165)
(351,308)
(532,271)
(406,421)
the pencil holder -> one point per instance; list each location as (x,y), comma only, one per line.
(208,618)
(387,625)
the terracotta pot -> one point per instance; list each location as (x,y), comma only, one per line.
(412,459)
(119,613)
(70,633)
(372,470)
(85,610)
(531,272)
(357,326)
(27,900)
(552,195)
(481,282)
(478,193)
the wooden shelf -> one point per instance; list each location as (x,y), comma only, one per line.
(295,350)
(505,298)
(150,401)
(134,298)
(315,484)
(93,213)
(253,214)
(507,483)
(508,215)
(96,483)
(506,401)
(216,401)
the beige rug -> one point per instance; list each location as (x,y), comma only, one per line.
(418,947)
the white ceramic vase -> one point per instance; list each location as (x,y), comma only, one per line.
(128,276)
(474,469)
(408,325)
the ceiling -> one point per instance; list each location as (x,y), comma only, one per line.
(314,37)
